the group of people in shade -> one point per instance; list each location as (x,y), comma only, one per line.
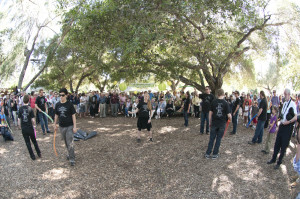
(215,112)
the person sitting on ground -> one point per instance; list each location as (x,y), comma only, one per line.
(161,108)
(170,108)
(177,103)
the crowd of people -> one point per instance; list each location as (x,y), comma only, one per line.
(276,113)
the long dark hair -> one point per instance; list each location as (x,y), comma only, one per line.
(262,93)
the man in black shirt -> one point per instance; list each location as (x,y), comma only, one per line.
(40,104)
(262,117)
(235,111)
(207,98)
(27,122)
(65,112)
(218,114)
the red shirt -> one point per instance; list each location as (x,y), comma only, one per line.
(32,102)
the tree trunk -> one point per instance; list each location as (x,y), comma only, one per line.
(71,86)
(28,55)
(49,57)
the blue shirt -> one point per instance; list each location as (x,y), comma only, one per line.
(102,100)
(151,95)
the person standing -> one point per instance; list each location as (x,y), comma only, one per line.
(27,124)
(102,105)
(40,104)
(287,117)
(235,111)
(66,114)
(186,108)
(114,101)
(145,114)
(272,130)
(218,115)
(207,98)
(262,117)
(275,99)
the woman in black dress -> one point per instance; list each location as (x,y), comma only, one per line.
(144,109)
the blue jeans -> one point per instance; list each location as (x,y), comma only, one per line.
(186,118)
(204,116)
(126,111)
(235,122)
(44,121)
(259,132)
(216,133)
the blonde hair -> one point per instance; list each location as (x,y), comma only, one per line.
(148,102)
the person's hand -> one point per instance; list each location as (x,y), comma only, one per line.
(74,130)
(286,123)
(55,127)
(149,121)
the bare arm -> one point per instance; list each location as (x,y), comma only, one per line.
(229,117)
(210,117)
(259,112)
(237,108)
(74,123)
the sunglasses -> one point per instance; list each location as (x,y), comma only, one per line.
(62,95)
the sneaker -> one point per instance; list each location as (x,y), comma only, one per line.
(49,132)
(214,157)
(207,156)
(264,151)
(72,164)
(40,155)
(207,133)
(33,157)
(277,166)
(151,139)
(68,158)
(271,162)
(251,143)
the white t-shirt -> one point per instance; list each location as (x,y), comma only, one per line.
(285,109)
(82,100)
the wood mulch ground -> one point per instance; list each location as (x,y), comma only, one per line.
(114,165)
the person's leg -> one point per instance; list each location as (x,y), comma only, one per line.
(46,122)
(70,143)
(207,122)
(257,133)
(212,138)
(15,118)
(277,146)
(219,135)
(186,120)
(28,144)
(286,137)
(40,115)
(139,134)
(104,110)
(234,122)
(268,142)
(36,146)
(261,132)
(202,122)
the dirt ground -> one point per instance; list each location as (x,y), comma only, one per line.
(114,165)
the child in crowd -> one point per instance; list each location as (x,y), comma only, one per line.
(27,123)
(272,130)
(134,107)
(4,127)
(246,113)
(254,111)
(127,106)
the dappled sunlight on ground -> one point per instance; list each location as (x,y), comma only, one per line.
(114,165)
(56,174)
